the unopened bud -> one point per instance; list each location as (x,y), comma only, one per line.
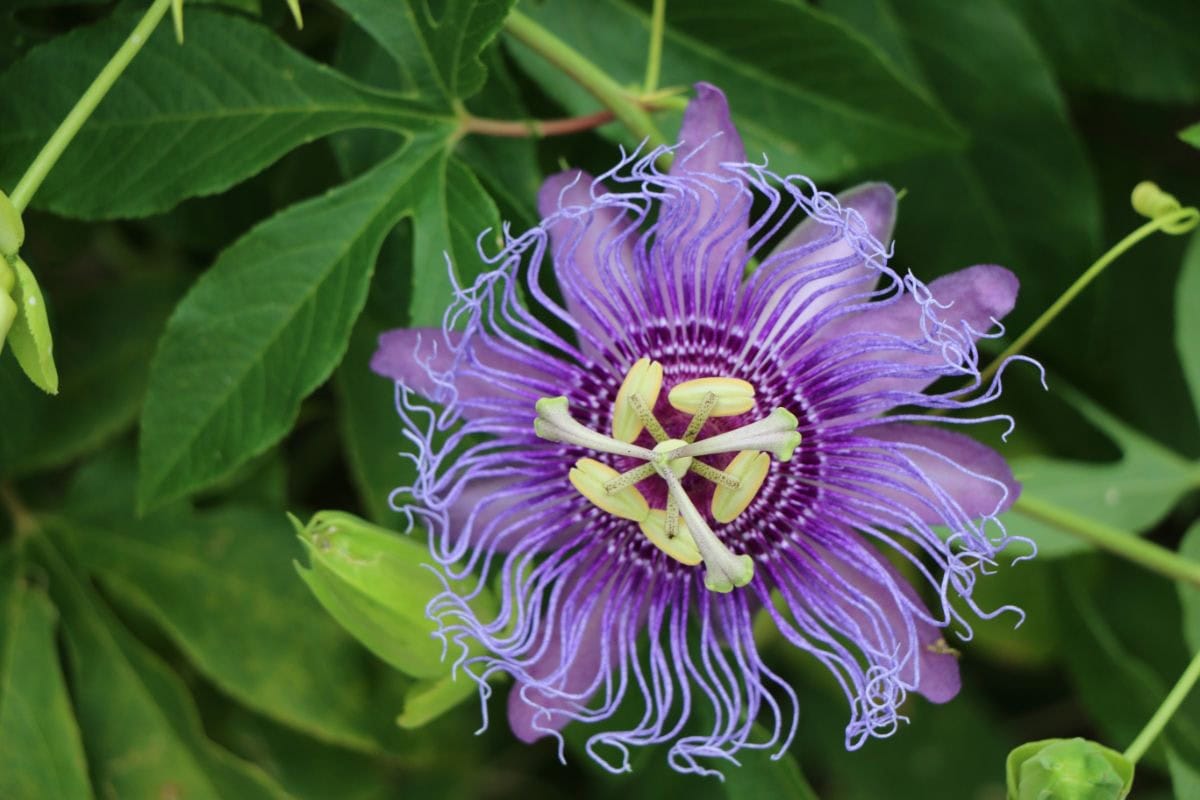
(12,229)
(1068,769)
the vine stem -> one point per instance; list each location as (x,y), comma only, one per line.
(658,21)
(597,82)
(1177,222)
(1146,554)
(62,137)
(1164,713)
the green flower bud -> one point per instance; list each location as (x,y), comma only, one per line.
(8,312)
(12,229)
(1067,769)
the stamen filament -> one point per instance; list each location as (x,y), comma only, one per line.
(648,419)
(672,516)
(629,478)
(555,423)
(701,417)
(715,475)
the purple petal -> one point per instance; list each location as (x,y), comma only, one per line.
(531,710)
(975,299)
(713,219)
(413,356)
(974,476)
(933,674)
(827,249)
(587,250)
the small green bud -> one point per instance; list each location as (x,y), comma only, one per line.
(377,583)
(1152,202)
(1068,769)
(8,312)
(8,278)
(12,229)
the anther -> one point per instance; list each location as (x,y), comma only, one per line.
(679,545)
(734,396)
(642,383)
(590,478)
(750,469)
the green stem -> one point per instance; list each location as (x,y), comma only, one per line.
(1177,222)
(658,21)
(1164,713)
(586,74)
(48,157)
(1144,553)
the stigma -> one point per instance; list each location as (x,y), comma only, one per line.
(680,529)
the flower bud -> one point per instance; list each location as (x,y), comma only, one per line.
(12,229)
(1067,769)
(8,312)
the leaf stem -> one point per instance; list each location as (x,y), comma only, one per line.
(658,20)
(1180,221)
(1126,545)
(597,82)
(61,138)
(1164,713)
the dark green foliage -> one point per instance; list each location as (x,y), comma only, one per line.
(219,248)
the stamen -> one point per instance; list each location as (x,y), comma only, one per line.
(723,570)
(629,478)
(555,423)
(647,418)
(734,396)
(678,545)
(750,469)
(590,476)
(642,383)
(701,416)
(776,434)
(715,475)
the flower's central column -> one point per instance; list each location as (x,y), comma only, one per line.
(680,529)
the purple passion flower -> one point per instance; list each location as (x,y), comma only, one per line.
(658,416)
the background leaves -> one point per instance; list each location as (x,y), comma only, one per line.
(261,203)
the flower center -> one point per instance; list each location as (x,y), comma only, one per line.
(679,530)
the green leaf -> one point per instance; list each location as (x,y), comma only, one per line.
(1119,628)
(762,775)
(29,337)
(40,751)
(219,584)
(372,435)
(1145,51)
(1191,135)
(1189,596)
(182,121)
(804,88)
(438,58)
(105,342)
(1022,194)
(266,325)
(1185,776)
(1187,318)
(1131,494)
(140,726)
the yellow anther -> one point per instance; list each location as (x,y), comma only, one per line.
(749,467)
(645,380)
(589,477)
(678,465)
(734,396)
(680,547)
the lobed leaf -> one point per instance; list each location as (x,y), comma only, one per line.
(265,326)
(807,89)
(183,120)
(140,727)
(40,751)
